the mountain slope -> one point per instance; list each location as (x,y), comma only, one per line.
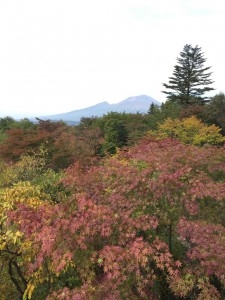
(130,105)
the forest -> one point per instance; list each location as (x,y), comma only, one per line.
(124,206)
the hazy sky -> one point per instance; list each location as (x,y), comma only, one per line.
(61,55)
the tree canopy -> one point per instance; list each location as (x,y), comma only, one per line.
(191,79)
(146,223)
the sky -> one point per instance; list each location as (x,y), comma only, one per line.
(61,55)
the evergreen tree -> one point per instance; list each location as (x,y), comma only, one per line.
(190,79)
(153,109)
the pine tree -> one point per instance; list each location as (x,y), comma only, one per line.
(190,78)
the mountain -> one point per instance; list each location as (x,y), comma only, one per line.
(134,104)
(130,105)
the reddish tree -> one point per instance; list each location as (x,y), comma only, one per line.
(146,224)
(65,145)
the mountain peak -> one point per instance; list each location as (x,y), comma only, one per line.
(141,98)
(130,105)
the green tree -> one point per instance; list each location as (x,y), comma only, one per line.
(158,114)
(215,111)
(190,79)
(6,123)
(153,109)
(116,135)
(24,124)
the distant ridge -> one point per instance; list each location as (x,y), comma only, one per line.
(130,105)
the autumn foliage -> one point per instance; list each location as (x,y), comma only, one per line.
(65,145)
(190,131)
(146,223)
(97,212)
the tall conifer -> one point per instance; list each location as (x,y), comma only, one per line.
(191,79)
